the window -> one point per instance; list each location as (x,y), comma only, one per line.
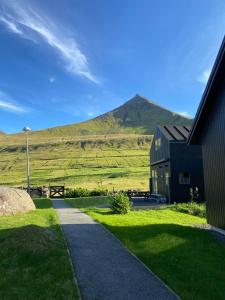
(157,144)
(167,178)
(155,181)
(154,174)
(184,178)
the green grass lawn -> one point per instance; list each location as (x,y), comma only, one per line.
(190,260)
(34,263)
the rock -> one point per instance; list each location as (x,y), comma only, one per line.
(13,201)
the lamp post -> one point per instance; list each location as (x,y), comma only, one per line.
(27,130)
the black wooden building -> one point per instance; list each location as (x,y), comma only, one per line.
(208,130)
(175,167)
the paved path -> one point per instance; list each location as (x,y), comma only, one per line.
(104,268)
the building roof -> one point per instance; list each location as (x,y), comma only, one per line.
(175,133)
(206,101)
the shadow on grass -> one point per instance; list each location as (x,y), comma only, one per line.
(42,203)
(35,264)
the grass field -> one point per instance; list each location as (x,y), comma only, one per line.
(119,161)
(34,260)
(190,260)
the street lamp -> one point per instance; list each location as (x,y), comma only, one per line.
(27,130)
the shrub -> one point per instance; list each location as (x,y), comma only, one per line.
(191,208)
(77,193)
(120,204)
(99,192)
(82,192)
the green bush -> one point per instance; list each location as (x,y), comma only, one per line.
(120,204)
(99,192)
(191,208)
(77,193)
(82,192)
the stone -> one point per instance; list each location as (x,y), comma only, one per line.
(13,201)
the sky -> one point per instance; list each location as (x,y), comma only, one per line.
(64,62)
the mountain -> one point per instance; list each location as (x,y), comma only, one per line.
(138,115)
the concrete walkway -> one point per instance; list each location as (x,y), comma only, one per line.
(103,267)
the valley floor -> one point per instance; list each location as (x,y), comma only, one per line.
(119,162)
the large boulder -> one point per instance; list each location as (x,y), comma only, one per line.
(13,201)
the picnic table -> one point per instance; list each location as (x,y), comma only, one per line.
(138,194)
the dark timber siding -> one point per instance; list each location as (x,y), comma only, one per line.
(173,158)
(213,151)
(163,152)
(186,159)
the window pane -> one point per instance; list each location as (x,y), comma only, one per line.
(184,178)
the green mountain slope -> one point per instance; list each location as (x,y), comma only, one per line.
(138,115)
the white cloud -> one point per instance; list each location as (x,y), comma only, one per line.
(11,26)
(26,22)
(185,114)
(51,79)
(90,114)
(204,76)
(5,105)
(8,105)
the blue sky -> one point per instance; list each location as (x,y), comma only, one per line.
(67,61)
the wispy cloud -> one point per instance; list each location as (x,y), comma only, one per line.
(10,106)
(28,23)
(90,114)
(51,79)
(11,26)
(185,114)
(204,76)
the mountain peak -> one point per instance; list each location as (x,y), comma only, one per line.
(138,115)
(138,99)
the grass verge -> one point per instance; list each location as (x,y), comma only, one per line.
(88,202)
(34,259)
(191,208)
(190,260)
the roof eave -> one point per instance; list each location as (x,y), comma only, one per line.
(191,137)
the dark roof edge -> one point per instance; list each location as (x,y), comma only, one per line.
(159,161)
(206,91)
(167,132)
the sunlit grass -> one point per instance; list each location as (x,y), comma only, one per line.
(190,260)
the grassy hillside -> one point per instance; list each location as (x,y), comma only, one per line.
(119,161)
(138,115)
(109,151)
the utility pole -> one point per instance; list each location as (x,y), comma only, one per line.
(27,130)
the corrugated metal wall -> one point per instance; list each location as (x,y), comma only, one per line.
(213,151)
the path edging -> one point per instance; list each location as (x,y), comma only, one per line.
(132,254)
(70,258)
